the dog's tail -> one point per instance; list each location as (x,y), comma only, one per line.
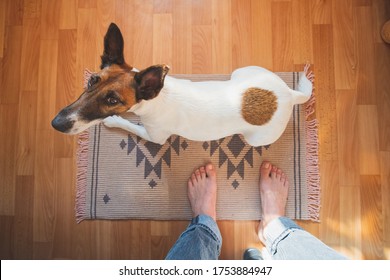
(305,86)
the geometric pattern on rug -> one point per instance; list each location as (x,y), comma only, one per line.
(235,146)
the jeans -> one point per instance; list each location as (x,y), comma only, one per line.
(200,241)
(285,240)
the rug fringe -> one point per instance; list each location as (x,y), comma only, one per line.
(81,181)
(82,166)
(312,161)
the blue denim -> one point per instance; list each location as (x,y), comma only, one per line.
(285,240)
(201,240)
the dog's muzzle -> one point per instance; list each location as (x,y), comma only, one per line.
(62,124)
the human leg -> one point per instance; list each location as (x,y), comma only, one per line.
(283,239)
(202,238)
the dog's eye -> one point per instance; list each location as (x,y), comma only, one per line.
(112,101)
(93,80)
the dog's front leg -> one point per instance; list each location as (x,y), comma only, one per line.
(119,122)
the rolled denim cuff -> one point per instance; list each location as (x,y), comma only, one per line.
(276,231)
(207,223)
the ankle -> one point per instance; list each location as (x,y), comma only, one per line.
(267,220)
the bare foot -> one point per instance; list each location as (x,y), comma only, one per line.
(273,194)
(202,191)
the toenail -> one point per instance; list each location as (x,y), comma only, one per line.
(266,165)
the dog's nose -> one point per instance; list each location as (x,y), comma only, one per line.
(62,124)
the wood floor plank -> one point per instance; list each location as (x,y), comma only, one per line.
(43,250)
(372,219)
(302,41)
(7,237)
(348,143)
(182,37)
(8,136)
(30,55)
(201,37)
(162,39)
(141,233)
(368,140)
(361,3)
(23,223)
(121,240)
(68,15)
(366,86)
(14,13)
(159,228)
(103,232)
(44,195)
(282,55)
(143,34)
(322,11)
(83,246)
(31,9)
(3,9)
(330,210)
(87,4)
(47,83)
(12,64)
(124,18)
(201,12)
(227,231)
(160,246)
(25,150)
(249,239)
(51,21)
(344,45)
(67,90)
(64,199)
(325,90)
(385,184)
(382,59)
(105,14)
(162,6)
(87,54)
(350,222)
(221,37)
(201,49)
(262,51)
(241,33)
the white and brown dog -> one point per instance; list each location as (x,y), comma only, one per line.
(254,102)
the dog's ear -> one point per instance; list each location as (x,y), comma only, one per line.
(113,47)
(150,81)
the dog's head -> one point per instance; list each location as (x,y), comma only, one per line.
(112,91)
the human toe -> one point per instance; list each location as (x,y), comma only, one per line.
(210,171)
(265,169)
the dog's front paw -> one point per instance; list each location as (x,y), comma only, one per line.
(112,121)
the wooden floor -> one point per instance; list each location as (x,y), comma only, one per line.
(46,44)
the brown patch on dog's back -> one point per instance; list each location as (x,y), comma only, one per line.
(258,106)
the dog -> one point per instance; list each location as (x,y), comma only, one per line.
(255,102)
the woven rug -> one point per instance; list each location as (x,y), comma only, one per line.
(121,176)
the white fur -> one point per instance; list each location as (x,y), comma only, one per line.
(204,111)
